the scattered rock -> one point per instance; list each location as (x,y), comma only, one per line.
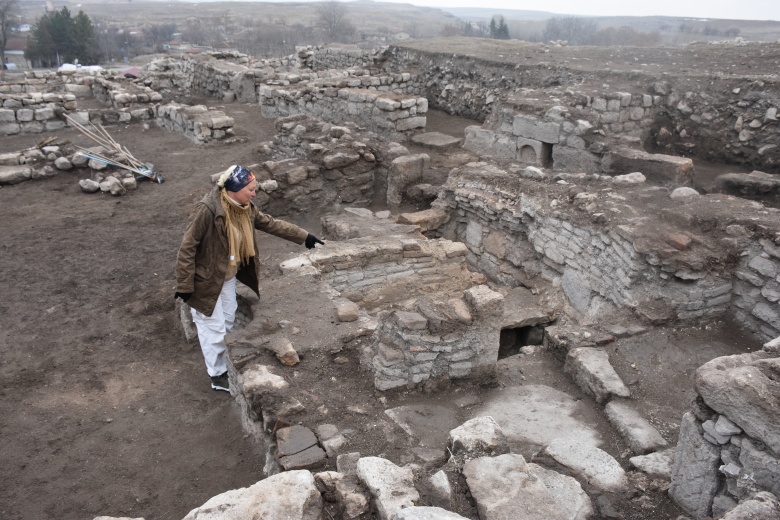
(391,486)
(596,465)
(89,186)
(292,494)
(479,435)
(657,464)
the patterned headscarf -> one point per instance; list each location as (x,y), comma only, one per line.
(235,178)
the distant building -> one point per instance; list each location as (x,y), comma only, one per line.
(14,53)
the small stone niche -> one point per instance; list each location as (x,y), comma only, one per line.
(513,339)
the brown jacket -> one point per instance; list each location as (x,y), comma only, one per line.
(203,255)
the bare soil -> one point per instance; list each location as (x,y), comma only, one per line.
(107,411)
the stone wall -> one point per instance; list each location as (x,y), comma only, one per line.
(221,79)
(568,133)
(451,332)
(757,288)
(128,95)
(313,165)
(394,116)
(197,123)
(729,446)
(515,230)
(717,118)
(321,57)
(33,113)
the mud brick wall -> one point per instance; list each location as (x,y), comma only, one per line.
(757,289)
(513,235)
(729,448)
(197,123)
(395,117)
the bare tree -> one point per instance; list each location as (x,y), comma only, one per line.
(577,31)
(332,16)
(8,10)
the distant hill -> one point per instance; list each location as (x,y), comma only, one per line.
(476,14)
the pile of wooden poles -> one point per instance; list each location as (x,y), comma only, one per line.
(126,160)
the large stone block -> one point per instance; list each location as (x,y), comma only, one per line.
(531,128)
(598,467)
(405,171)
(504,489)
(530,151)
(695,469)
(744,389)
(572,160)
(640,435)
(660,168)
(292,494)
(14,174)
(591,370)
(761,505)
(577,289)
(759,467)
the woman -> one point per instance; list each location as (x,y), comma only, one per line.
(219,247)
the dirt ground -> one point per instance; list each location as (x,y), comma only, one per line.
(105,409)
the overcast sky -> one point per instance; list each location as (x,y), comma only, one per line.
(731,9)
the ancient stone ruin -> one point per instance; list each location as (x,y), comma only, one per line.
(566,223)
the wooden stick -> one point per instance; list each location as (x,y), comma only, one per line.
(81,128)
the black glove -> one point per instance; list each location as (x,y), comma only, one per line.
(183,295)
(311,240)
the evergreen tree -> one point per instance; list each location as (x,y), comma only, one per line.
(85,44)
(498,28)
(59,38)
(503,30)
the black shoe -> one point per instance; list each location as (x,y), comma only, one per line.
(220,383)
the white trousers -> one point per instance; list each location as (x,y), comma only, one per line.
(212,329)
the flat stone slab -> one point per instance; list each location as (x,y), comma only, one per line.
(310,458)
(426,220)
(294,439)
(640,435)
(658,167)
(437,140)
(566,492)
(538,414)
(427,513)
(592,371)
(505,490)
(428,424)
(598,466)
(658,464)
